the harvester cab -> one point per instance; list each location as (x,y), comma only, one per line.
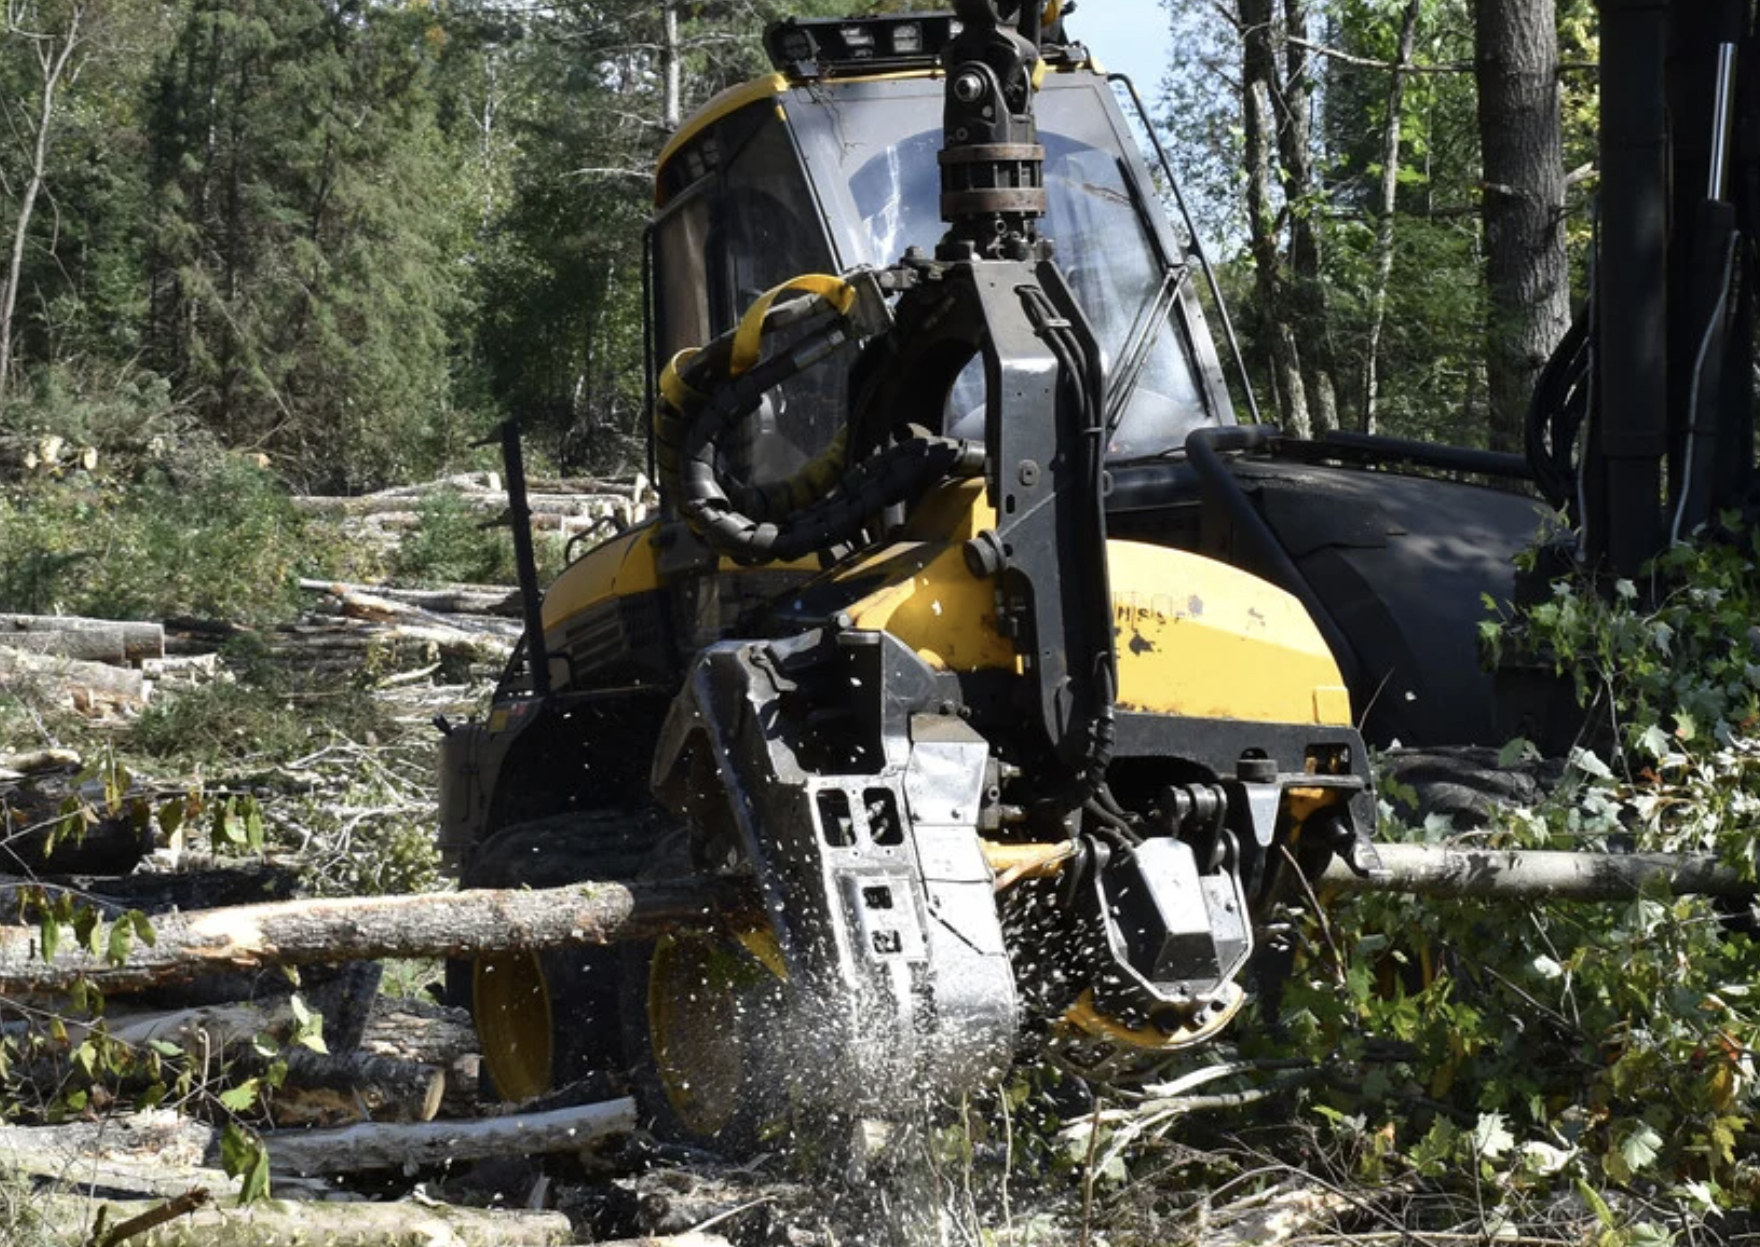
(967,635)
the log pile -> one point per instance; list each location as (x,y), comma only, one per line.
(95,667)
(566,507)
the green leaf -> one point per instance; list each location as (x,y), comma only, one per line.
(1640,1146)
(1588,763)
(1597,1205)
(1492,1137)
(49,933)
(243,1155)
(86,1057)
(88,929)
(121,941)
(143,928)
(242,1098)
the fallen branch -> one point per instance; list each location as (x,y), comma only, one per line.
(330,930)
(372,1145)
(153,1218)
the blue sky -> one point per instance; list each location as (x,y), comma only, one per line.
(1127,36)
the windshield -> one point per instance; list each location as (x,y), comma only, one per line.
(878,148)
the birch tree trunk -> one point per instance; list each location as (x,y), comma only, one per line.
(671,67)
(1390,156)
(1526,277)
(54,53)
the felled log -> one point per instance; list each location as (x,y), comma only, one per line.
(161,891)
(1540,874)
(448,600)
(364,505)
(29,821)
(38,761)
(327,1088)
(279,1222)
(372,1145)
(86,686)
(414,1030)
(152,892)
(327,930)
(135,641)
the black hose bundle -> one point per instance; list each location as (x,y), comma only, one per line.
(1557,411)
(706,395)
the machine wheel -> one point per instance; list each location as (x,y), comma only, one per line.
(550,1019)
(701,1017)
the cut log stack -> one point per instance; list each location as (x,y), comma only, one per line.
(566,507)
(95,666)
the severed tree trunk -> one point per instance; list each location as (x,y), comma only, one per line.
(1258,89)
(1389,200)
(326,931)
(1526,276)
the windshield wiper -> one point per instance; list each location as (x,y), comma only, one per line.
(1138,344)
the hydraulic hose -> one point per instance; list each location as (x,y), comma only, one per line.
(707,394)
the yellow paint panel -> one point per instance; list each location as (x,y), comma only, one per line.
(620,567)
(929,599)
(1195,637)
(1203,639)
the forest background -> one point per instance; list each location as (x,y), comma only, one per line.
(352,234)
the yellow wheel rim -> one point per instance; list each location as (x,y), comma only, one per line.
(511,1003)
(701,991)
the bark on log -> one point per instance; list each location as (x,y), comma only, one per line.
(86,646)
(280,1222)
(447,600)
(38,761)
(413,1030)
(329,1088)
(328,930)
(1540,874)
(112,846)
(139,640)
(353,1149)
(87,685)
(370,505)
(158,892)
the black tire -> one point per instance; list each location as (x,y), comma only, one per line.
(550,1019)
(734,1042)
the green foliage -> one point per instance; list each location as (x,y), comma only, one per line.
(229,723)
(1612,1042)
(211,536)
(453,545)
